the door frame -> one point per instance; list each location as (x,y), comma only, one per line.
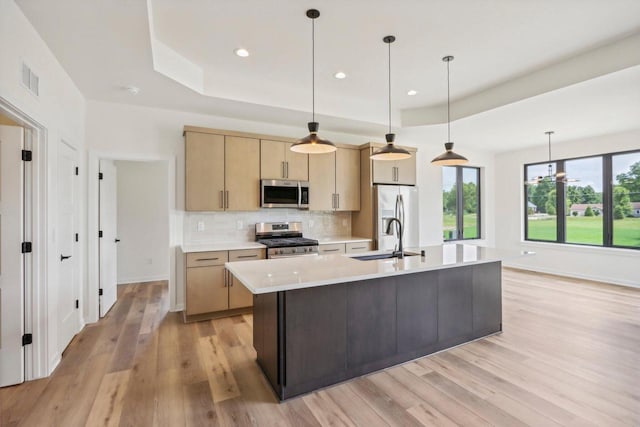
(37,266)
(92,301)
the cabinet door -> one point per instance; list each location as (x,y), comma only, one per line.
(297,167)
(384,171)
(357,247)
(348,179)
(204,172)
(239,296)
(332,249)
(242,173)
(206,290)
(406,171)
(322,181)
(272,158)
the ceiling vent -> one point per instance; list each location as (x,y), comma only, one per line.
(30,80)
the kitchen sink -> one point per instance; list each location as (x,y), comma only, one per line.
(381,256)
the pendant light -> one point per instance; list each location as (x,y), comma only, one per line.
(312,144)
(449,158)
(390,151)
(560,177)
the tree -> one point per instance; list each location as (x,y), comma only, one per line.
(469,196)
(540,194)
(631,181)
(588,211)
(621,202)
(449,200)
(550,205)
(574,213)
(588,195)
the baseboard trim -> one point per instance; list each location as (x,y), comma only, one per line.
(606,280)
(142,279)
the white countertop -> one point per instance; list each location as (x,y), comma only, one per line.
(220,246)
(286,274)
(340,239)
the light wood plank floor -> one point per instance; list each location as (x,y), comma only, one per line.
(569,355)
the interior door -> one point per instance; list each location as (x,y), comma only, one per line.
(68,294)
(108,241)
(11,258)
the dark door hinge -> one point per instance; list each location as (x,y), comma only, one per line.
(77,171)
(26,247)
(100,176)
(100,233)
(27,155)
(100,292)
(77,237)
(77,304)
(27,339)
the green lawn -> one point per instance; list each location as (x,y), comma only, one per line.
(588,230)
(470,225)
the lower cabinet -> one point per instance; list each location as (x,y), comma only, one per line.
(344,248)
(211,290)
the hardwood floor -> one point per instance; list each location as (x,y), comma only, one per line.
(569,355)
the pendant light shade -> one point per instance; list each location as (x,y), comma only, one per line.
(449,158)
(312,144)
(560,176)
(390,151)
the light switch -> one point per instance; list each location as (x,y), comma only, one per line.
(200,226)
(239,225)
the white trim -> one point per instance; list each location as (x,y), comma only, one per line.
(589,277)
(143,279)
(36,311)
(600,250)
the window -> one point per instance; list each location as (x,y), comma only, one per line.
(460,203)
(597,205)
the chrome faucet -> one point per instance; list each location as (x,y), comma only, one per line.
(400,252)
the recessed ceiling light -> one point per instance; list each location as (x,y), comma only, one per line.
(243,53)
(412,92)
(133,90)
(340,75)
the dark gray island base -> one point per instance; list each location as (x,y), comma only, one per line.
(314,337)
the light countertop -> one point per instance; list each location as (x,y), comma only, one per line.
(220,246)
(285,274)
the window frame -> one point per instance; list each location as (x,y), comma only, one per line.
(460,204)
(607,201)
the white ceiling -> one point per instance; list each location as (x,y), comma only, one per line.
(106,44)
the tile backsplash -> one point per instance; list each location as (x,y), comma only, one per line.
(212,227)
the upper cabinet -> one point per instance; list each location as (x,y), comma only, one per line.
(334,180)
(277,161)
(401,172)
(221,172)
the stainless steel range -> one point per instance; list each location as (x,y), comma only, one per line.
(284,239)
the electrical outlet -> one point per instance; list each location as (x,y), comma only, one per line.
(239,225)
(310,223)
(200,225)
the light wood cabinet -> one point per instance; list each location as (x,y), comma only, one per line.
(221,172)
(211,289)
(277,161)
(401,172)
(204,172)
(357,247)
(334,181)
(331,249)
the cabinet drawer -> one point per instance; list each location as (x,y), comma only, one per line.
(358,247)
(337,248)
(246,255)
(204,259)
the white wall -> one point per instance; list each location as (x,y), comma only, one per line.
(60,109)
(603,264)
(143,221)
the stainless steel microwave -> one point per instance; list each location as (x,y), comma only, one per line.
(275,193)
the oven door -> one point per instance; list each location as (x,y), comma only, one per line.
(280,194)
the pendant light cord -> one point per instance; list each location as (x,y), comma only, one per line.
(313,70)
(448,106)
(389,87)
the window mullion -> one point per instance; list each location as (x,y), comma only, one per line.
(561,205)
(607,200)
(459,203)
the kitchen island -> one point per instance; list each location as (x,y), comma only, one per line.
(324,319)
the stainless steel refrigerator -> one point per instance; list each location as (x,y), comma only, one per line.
(396,201)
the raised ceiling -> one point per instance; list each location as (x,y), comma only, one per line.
(501,47)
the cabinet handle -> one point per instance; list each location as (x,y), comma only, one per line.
(207,259)
(333,200)
(282,169)
(247,256)
(230,279)
(221,199)
(226,275)
(338,197)
(226,199)
(330,250)
(359,247)
(397,173)
(286,169)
